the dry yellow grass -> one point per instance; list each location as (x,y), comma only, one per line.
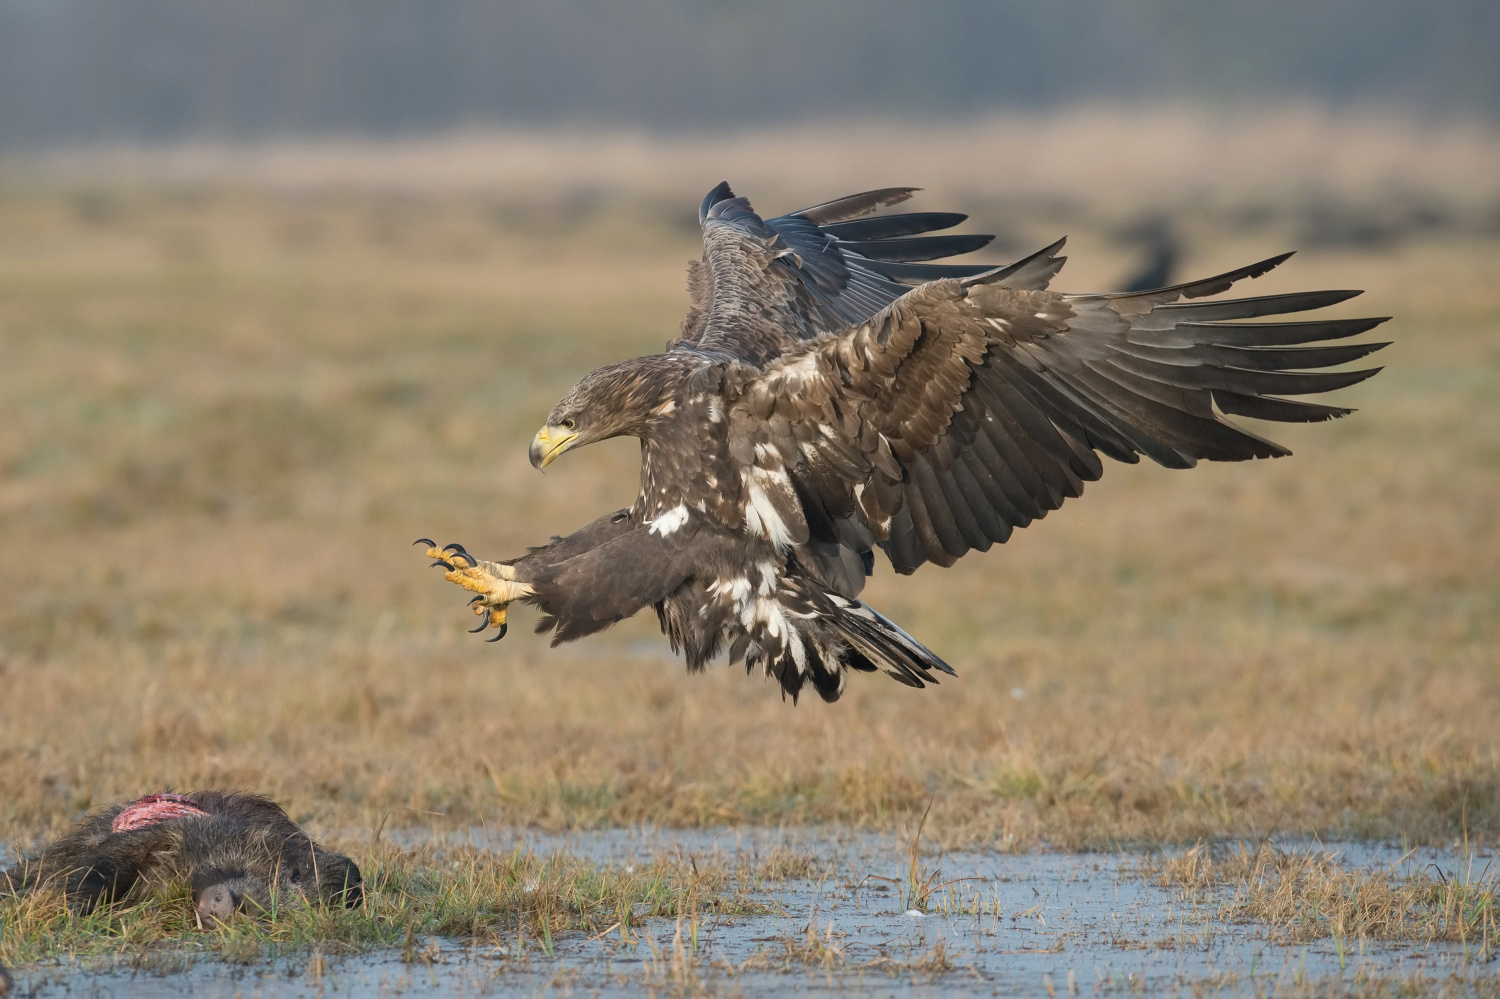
(1305,894)
(227,407)
(1127,156)
(514,901)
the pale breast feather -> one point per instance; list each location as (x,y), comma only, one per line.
(670,521)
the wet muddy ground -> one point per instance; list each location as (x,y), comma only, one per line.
(1033,924)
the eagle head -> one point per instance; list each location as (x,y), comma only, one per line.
(624,399)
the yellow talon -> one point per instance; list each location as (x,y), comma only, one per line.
(494,614)
(495,583)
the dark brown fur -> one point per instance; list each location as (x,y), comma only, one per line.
(244,855)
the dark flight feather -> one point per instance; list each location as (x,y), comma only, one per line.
(918,248)
(856,205)
(893,226)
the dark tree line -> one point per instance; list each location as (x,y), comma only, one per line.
(84,70)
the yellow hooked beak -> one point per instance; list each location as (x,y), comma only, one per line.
(550,442)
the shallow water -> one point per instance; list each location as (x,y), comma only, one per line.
(1016,924)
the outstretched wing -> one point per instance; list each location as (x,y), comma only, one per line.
(766,284)
(967,409)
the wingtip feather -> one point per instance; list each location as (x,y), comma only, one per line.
(720,192)
(853,206)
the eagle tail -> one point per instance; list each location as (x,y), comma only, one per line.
(840,634)
(877,642)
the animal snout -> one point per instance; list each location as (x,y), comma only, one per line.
(216,904)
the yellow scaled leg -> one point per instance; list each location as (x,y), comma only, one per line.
(493,584)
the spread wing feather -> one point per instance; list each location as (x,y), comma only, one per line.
(892,226)
(764,285)
(968,408)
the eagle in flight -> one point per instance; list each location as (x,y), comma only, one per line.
(832,393)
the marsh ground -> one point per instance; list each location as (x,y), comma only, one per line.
(817,911)
(232,394)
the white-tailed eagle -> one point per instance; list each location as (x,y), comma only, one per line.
(832,393)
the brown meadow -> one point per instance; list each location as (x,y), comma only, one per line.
(230,401)
(1309,893)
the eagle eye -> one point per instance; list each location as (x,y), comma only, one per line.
(568,424)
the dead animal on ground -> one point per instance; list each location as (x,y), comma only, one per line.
(238,852)
(832,393)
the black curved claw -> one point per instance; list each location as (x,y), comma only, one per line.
(424,541)
(482,625)
(504,626)
(477,597)
(473,562)
(445,565)
(455,547)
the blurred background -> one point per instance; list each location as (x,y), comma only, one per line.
(285,285)
(78,71)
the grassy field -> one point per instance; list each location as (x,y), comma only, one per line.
(228,405)
(514,901)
